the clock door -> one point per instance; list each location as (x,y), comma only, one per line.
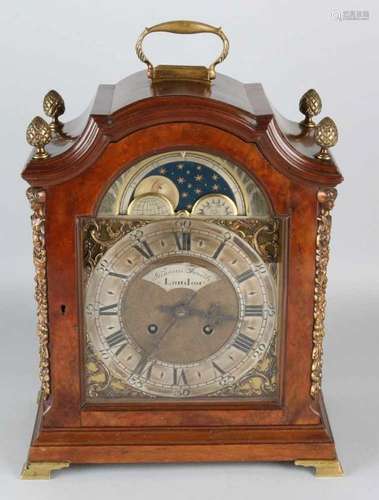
(181,284)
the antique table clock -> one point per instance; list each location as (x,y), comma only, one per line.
(181,231)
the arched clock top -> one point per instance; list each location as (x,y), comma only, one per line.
(297,150)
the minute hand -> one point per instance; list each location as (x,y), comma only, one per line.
(213,317)
(158,343)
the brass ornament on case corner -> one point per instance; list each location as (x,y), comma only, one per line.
(262,235)
(326,136)
(38,134)
(310,105)
(326,198)
(37,198)
(261,381)
(54,107)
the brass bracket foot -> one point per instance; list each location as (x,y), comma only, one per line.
(323,468)
(41,470)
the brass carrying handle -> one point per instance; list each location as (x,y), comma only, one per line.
(165,72)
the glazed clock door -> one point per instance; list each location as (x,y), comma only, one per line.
(183,303)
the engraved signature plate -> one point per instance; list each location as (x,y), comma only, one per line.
(181,275)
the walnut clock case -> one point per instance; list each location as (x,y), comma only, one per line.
(181,239)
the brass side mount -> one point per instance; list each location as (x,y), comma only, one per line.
(37,199)
(174,72)
(326,198)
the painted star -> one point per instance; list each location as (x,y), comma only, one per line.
(189,185)
(198,191)
(181,180)
(198,167)
(162,171)
(215,187)
(185,194)
(198,177)
(214,177)
(189,206)
(180,166)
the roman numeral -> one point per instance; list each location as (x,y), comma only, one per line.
(218,368)
(219,249)
(140,366)
(243,343)
(183,241)
(144,368)
(115,339)
(245,276)
(253,310)
(179,377)
(118,275)
(108,310)
(144,249)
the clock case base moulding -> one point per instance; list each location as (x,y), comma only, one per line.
(305,445)
(43,470)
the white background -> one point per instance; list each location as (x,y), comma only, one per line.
(73,46)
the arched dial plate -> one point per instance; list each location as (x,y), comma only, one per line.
(185,176)
(180,308)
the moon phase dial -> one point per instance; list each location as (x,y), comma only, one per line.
(180,308)
(151,204)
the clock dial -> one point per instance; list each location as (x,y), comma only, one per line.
(180,308)
(161,185)
(150,205)
(215,205)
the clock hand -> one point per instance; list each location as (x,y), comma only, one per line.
(171,324)
(213,314)
(167,309)
(206,314)
(175,308)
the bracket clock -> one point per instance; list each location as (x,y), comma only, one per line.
(181,238)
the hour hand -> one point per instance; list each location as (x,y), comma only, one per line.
(167,309)
(213,315)
(180,309)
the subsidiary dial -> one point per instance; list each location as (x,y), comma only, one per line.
(215,205)
(150,205)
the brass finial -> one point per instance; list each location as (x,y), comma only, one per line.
(326,136)
(310,106)
(38,134)
(53,106)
